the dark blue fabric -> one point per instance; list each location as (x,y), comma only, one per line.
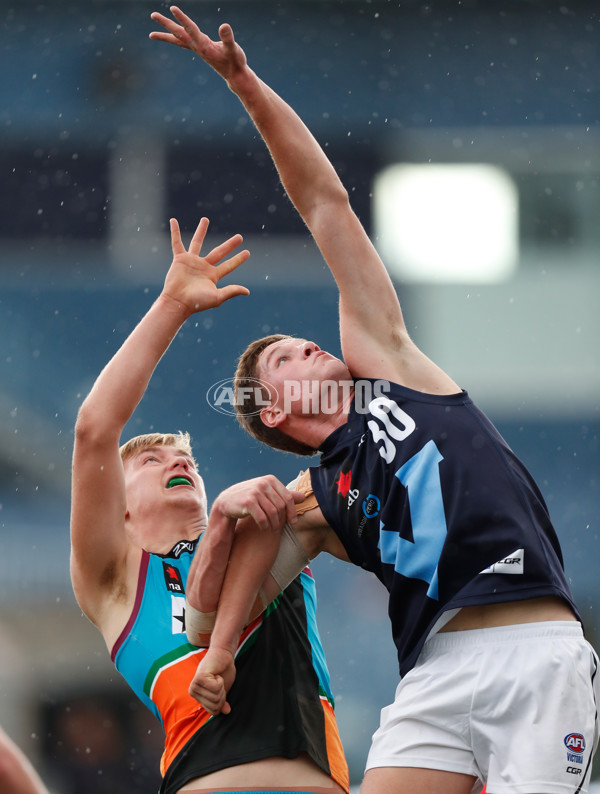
(424,492)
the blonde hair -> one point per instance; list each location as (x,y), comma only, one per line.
(181,441)
(247,412)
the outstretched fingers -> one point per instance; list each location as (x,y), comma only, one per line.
(231,291)
(173,33)
(224,249)
(233,52)
(198,238)
(226,36)
(186,22)
(231,264)
(177,245)
(181,31)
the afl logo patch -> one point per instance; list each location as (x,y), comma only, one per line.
(575,742)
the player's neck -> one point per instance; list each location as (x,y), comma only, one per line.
(159,537)
(313,429)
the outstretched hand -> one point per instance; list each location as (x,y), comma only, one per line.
(192,279)
(212,681)
(225,56)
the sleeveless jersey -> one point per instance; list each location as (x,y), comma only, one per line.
(282,679)
(423,491)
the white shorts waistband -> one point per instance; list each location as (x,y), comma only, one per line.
(557,629)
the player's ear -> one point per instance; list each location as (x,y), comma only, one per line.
(272,416)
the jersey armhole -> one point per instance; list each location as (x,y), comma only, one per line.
(145,561)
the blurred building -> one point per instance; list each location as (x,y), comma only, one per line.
(107,134)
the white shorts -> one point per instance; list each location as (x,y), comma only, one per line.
(515,706)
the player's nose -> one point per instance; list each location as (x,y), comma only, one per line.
(309,348)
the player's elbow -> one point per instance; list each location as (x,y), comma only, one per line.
(337,194)
(85,425)
(331,203)
(91,431)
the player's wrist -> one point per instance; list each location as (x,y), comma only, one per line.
(199,625)
(243,82)
(224,650)
(174,307)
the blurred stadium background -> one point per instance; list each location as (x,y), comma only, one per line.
(105,135)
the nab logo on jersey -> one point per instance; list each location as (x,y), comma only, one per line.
(575,742)
(172,578)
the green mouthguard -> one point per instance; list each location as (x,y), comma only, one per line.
(178,481)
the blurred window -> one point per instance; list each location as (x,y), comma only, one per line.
(53,191)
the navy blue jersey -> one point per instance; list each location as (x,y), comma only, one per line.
(423,491)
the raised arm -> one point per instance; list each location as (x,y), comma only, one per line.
(99,547)
(374,343)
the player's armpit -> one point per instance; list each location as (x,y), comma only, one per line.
(311,529)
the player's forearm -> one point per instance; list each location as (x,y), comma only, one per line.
(210,563)
(205,580)
(253,553)
(123,381)
(322,201)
